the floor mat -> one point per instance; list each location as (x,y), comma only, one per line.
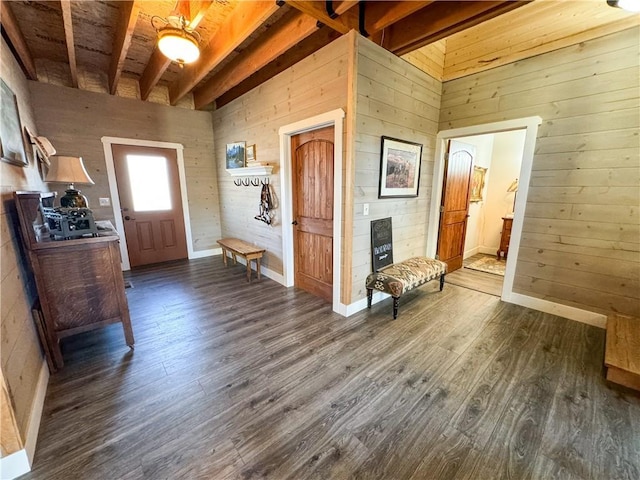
(488,264)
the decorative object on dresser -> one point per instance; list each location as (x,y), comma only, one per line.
(399,168)
(69,170)
(505,236)
(79,282)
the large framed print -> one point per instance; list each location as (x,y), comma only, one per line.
(11,139)
(399,168)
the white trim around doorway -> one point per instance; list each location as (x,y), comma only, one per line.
(115,199)
(530,124)
(335,118)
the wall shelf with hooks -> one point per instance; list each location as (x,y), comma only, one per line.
(260,171)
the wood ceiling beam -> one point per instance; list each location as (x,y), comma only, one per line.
(245,19)
(158,63)
(68,34)
(302,50)
(439,20)
(279,39)
(342,24)
(14,34)
(126,24)
(380,15)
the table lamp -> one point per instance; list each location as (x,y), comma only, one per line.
(69,170)
(513,188)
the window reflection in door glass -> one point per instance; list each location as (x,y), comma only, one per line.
(149,178)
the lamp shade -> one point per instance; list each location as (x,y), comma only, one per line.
(178,45)
(68,170)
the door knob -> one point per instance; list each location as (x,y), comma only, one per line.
(295,222)
(127,217)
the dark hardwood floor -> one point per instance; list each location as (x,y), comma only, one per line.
(230,380)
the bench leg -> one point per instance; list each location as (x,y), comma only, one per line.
(369,297)
(224,256)
(441,282)
(396,304)
(248,270)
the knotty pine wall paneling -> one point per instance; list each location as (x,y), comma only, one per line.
(315,85)
(581,237)
(20,352)
(76,120)
(395,99)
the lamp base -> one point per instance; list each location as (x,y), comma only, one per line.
(73,199)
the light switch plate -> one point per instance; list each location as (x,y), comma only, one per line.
(105,202)
(365,209)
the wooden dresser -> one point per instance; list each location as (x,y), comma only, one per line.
(80,283)
(505,236)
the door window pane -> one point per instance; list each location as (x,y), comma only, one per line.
(149,178)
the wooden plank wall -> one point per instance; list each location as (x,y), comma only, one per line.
(535,28)
(581,238)
(429,59)
(315,85)
(76,120)
(20,353)
(394,99)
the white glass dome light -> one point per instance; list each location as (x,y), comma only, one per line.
(176,40)
(178,45)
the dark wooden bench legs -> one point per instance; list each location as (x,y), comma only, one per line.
(396,300)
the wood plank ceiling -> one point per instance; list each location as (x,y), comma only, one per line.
(243,43)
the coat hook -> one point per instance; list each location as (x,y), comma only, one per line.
(255,182)
(238,182)
(245,182)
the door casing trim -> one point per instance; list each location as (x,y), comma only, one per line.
(530,124)
(333,118)
(115,198)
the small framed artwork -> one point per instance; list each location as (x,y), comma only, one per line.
(236,154)
(399,168)
(251,153)
(477,184)
(12,147)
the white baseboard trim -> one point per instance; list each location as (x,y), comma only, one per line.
(205,253)
(361,304)
(488,250)
(14,465)
(470,253)
(277,277)
(19,463)
(572,313)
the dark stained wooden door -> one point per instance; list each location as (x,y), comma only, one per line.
(312,161)
(149,191)
(454,208)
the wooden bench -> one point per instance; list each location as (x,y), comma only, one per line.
(244,249)
(399,278)
(622,352)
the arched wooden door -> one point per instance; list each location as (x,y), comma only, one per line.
(454,209)
(312,182)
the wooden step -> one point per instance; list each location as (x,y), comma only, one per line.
(622,353)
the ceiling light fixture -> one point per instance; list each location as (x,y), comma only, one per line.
(628,5)
(176,40)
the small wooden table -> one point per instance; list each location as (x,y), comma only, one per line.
(246,250)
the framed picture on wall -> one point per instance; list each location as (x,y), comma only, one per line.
(11,139)
(477,183)
(399,168)
(236,155)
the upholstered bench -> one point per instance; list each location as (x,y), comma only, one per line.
(399,278)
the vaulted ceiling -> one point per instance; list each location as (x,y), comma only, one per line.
(243,43)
